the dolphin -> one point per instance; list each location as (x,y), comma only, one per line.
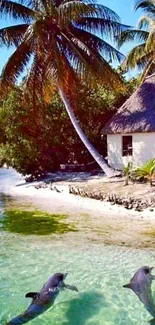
(43,300)
(141,286)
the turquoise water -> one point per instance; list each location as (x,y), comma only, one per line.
(99,272)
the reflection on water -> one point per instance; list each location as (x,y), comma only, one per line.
(99,273)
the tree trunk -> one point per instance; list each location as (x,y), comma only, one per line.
(110,172)
(126,182)
(150,180)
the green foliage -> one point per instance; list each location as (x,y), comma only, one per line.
(61,40)
(37,139)
(62,43)
(142,56)
(26,142)
(146,171)
(127,171)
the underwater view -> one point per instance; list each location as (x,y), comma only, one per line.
(35,244)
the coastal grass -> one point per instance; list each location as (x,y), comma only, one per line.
(34,222)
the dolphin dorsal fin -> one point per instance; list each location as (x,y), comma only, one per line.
(129,286)
(32,295)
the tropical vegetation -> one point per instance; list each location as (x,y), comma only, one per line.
(142,56)
(127,172)
(146,171)
(35,140)
(58,40)
(61,49)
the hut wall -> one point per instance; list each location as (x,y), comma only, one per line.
(114,147)
(143,149)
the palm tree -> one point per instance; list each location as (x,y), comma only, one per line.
(57,40)
(141,56)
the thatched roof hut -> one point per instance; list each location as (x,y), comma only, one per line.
(137,114)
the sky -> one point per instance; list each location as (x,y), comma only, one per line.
(124,8)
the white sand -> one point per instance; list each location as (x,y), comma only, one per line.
(98,221)
(12,183)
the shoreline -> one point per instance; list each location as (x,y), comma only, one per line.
(98,221)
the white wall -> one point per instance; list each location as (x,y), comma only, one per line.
(143,149)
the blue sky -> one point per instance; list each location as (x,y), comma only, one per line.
(124,8)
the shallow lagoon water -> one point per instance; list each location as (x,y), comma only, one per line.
(99,272)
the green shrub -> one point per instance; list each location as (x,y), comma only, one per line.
(147,171)
(127,172)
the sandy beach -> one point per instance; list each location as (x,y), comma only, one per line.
(98,221)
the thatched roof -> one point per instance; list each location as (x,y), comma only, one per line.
(137,114)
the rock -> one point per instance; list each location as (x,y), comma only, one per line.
(56,189)
(139,209)
(128,202)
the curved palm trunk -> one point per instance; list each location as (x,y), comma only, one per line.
(110,172)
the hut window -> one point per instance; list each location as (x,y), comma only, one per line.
(127,145)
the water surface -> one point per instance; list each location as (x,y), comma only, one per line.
(28,258)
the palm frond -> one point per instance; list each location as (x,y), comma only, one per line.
(142,55)
(145,23)
(39,6)
(147,5)
(132,35)
(72,10)
(46,6)
(150,43)
(133,56)
(147,169)
(36,78)
(16,63)
(56,44)
(78,57)
(89,62)
(102,11)
(65,73)
(12,35)
(144,60)
(15,10)
(148,70)
(97,44)
(102,26)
